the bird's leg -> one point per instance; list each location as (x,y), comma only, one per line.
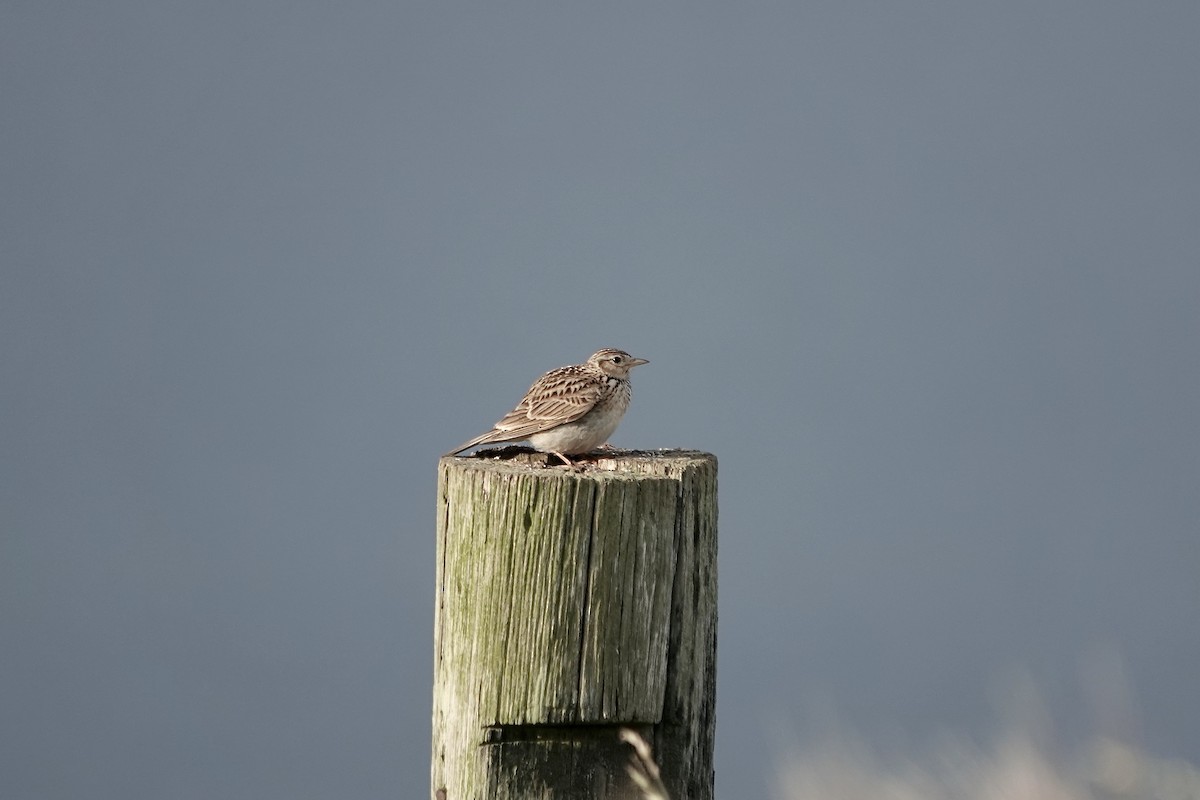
(565,460)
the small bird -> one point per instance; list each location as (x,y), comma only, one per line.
(569,410)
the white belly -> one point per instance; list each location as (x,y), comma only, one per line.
(582,435)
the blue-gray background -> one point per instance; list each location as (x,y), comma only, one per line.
(924,276)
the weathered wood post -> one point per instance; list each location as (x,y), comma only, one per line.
(570,605)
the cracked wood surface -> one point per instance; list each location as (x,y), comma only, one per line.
(571,603)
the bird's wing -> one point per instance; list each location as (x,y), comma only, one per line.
(558,397)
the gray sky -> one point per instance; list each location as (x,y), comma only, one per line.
(925,277)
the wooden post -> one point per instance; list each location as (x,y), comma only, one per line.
(570,605)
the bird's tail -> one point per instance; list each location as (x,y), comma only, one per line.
(491,437)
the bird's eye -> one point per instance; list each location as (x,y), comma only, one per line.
(617,359)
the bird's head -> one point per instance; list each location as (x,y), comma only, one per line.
(616,363)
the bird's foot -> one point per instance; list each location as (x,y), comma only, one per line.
(568,462)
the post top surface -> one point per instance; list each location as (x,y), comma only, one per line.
(525,460)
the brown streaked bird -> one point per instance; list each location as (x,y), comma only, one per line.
(569,410)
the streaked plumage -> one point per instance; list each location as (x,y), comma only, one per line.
(569,410)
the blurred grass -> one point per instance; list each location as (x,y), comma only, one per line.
(1022,763)
(1017,768)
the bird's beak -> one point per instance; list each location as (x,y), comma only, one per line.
(637,362)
